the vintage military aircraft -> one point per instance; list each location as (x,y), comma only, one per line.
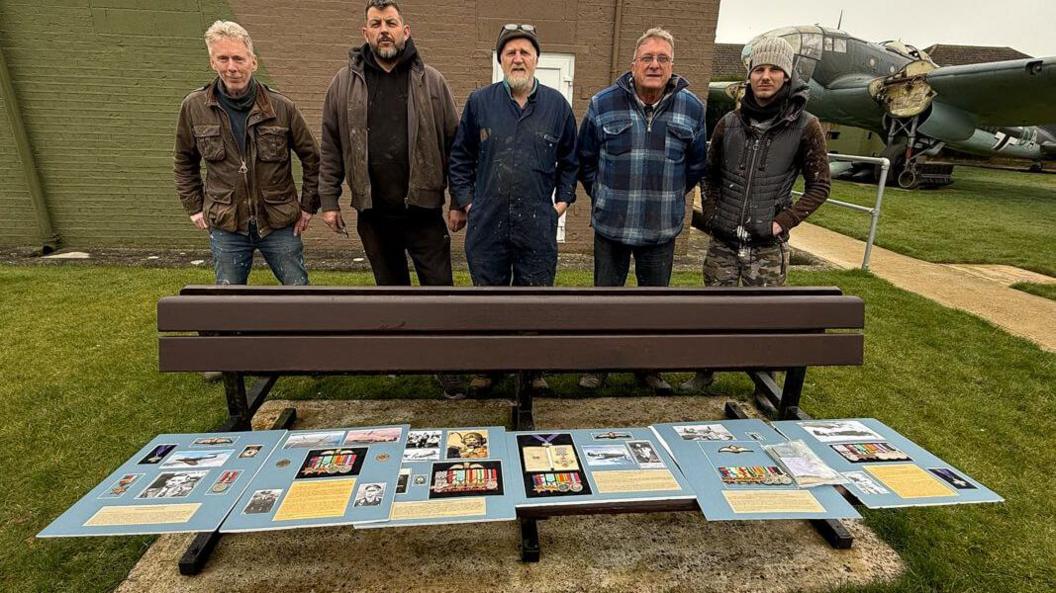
(897,91)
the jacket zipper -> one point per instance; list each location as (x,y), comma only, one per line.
(748,182)
(244,170)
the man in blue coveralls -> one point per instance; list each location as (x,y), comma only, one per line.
(514,147)
(512,173)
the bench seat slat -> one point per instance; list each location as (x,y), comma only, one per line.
(396,354)
(507,313)
(491,291)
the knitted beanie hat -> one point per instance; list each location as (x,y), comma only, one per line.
(774,51)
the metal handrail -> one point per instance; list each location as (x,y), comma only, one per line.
(874,212)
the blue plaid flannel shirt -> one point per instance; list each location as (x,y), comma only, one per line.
(638,172)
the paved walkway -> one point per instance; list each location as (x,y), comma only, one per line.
(981,290)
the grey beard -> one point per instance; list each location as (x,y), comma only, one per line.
(519,82)
(389,52)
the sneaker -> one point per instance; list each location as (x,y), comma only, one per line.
(592,380)
(480,384)
(655,382)
(700,381)
(452,387)
(540,386)
(212,376)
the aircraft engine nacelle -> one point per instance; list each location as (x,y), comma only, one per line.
(947,123)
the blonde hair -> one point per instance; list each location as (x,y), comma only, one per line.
(227,30)
(655,33)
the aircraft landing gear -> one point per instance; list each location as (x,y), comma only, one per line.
(908,155)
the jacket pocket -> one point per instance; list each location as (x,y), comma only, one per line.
(617,137)
(272,144)
(677,141)
(546,152)
(210,143)
(219,209)
(281,207)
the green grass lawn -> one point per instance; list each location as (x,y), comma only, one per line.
(1043,290)
(986,217)
(82,393)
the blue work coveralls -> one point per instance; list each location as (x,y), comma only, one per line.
(508,162)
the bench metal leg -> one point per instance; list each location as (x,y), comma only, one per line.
(529,540)
(241,406)
(197,554)
(523,417)
(779,402)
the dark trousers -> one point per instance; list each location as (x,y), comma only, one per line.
(612,260)
(390,236)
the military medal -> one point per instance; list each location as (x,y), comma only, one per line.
(224,482)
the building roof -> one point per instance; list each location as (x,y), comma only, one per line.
(955,55)
(726,62)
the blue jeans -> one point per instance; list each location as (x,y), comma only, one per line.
(612,261)
(233,255)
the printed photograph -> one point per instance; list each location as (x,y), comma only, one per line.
(196,459)
(369,495)
(704,432)
(864,483)
(424,439)
(214,441)
(610,436)
(121,486)
(324,463)
(373,435)
(952,478)
(413,455)
(313,440)
(607,455)
(467,445)
(645,454)
(157,454)
(262,502)
(836,431)
(250,451)
(173,485)
(223,483)
(403,480)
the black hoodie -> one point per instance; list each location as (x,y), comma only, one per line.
(388,158)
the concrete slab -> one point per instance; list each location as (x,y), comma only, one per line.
(620,553)
(68,255)
(1019,313)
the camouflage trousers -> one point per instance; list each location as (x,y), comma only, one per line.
(758,266)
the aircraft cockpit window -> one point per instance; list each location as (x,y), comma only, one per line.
(839,45)
(811,45)
(828,44)
(793,40)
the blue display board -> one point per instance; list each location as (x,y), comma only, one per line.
(454,475)
(885,469)
(735,479)
(317,478)
(176,483)
(603,465)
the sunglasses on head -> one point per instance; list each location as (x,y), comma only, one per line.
(516,27)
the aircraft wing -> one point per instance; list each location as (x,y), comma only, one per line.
(1011,93)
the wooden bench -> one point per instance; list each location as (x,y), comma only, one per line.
(269,332)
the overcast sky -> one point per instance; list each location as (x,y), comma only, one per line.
(1026,25)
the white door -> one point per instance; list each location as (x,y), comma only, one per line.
(555,71)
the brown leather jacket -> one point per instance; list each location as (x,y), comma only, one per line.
(259,186)
(432,123)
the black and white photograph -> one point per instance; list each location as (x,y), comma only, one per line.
(370,495)
(196,459)
(262,501)
(704,432)
(173,485)
(413,455)
(601,455)
(838,431)
(645,454)
(424,439)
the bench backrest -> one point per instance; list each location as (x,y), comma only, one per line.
(435,329)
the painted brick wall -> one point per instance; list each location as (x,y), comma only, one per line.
(100,106)
(17,223)
(100,83)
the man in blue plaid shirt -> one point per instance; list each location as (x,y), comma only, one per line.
(642,147)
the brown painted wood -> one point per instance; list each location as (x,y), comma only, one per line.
(484,291)
(611,508)
(373,353)
(623,312)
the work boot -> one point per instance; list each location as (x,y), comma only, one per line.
(700,381)
(452,387)
(480,385)
(540,386)
(655,382)
(592,380)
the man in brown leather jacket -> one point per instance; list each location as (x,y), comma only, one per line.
(388,124)
(244,131)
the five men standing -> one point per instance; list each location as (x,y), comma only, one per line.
(391,131)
